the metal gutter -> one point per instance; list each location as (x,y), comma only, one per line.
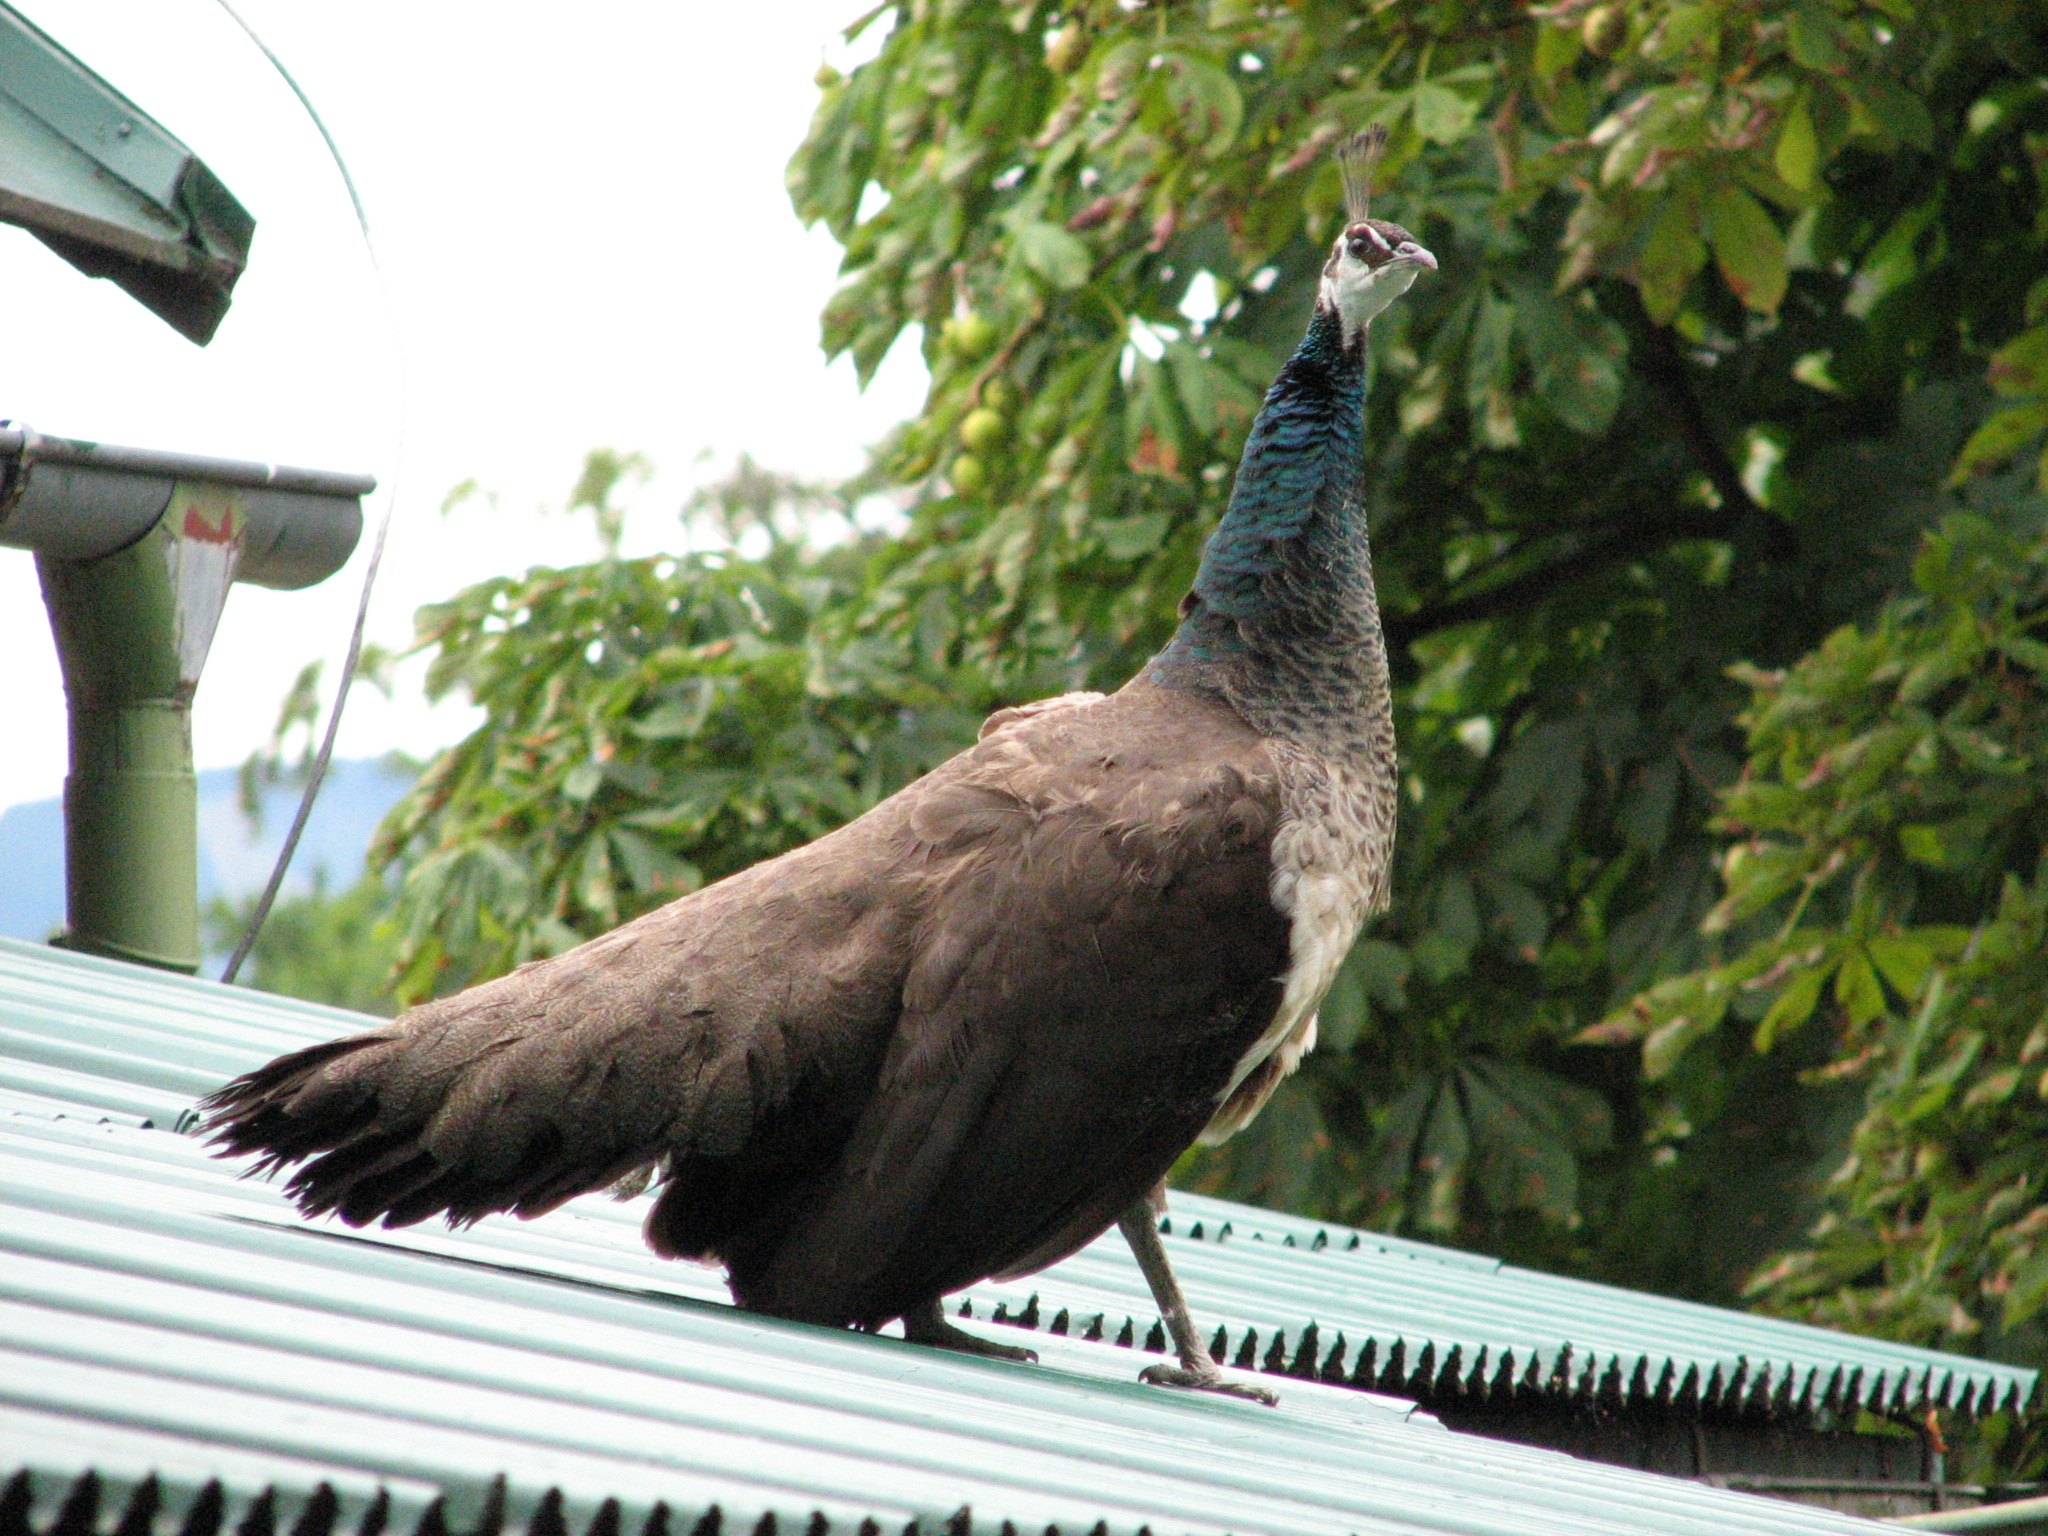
(78,500)
(2020,1517)
(15,439)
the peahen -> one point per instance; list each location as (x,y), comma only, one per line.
(966,1033)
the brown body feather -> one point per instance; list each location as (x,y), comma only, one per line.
(958,1037)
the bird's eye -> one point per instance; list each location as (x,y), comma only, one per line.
(1359,249)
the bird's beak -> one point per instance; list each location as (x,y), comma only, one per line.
(1414,254)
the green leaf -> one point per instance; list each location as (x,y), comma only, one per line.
(1206,103)
(1576,354)
(1682,26)
(2028,1289)
(1883,106)
(1793,1006)
(1894,260)
(1645,818)
(1993,1088)
(1933,1092)
(1670,1040)
(1557,49)
(1924,845)
(1672,253)
(2020,367)
(1442,115)
(1858,990)
(1904,961)
(1382,969)
(2028,652)
(1518,913)
(594,878)
(1062,259)
(1440,1157)
(674,720)
(1810,32)
(652,869)
(1126,538)
(1999,438)
(1661,120)
(1455,932)
(1797,156)
(1747,247)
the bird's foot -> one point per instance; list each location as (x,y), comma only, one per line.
(1205,1379)
(932,1328)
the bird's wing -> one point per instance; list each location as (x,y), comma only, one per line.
(957,1036)
(747,1018)
(1080,990)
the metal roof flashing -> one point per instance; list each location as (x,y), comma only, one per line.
(109,189)
(181,1353)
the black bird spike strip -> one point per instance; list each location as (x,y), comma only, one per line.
(1594,1385)
(1588,1384)
(85,1510)
(90,1505)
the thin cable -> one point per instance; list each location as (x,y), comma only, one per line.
(317,772)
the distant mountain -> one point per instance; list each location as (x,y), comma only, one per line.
(234,857)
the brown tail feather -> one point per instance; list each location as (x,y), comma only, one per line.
(361,1118)
(278,1112)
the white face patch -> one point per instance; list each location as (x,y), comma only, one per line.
(1371,265)
(1360,292)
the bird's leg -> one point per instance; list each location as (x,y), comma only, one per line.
(928,1325)
(1196,1370)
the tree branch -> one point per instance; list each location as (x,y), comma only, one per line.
(1591,558)
(1661,362)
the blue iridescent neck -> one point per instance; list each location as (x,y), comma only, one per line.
(1282,621)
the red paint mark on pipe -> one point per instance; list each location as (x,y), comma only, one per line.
(218,528)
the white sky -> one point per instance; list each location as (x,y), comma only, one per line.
(585,239)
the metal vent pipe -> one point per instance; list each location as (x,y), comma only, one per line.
(136,550)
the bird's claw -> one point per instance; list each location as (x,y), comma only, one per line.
(1209,1380)
(933,1329)
(968,1343)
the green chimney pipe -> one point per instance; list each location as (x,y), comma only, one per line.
(136,551)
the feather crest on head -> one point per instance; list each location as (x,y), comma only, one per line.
(1357,155)
(1372,262)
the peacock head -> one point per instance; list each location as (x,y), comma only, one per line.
(1372,262)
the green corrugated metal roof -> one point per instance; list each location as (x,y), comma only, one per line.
(169,1328)
(111,1037)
